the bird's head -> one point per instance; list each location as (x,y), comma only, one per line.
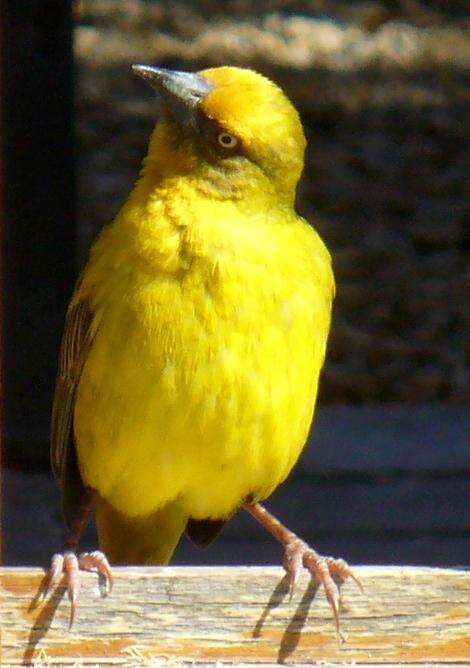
(230,128)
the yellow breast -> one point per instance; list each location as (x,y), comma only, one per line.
(202,378)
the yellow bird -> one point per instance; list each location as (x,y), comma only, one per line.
(194,341)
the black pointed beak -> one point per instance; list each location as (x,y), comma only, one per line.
(180,91)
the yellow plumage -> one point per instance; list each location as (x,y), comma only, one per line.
(210,300)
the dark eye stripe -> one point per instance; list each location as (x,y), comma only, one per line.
(212,132)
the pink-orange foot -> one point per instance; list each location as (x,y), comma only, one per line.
(69,564)
(298,554)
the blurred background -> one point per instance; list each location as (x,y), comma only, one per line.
(382,88)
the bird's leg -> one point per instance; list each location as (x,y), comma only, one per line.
(298,554)
(68,563)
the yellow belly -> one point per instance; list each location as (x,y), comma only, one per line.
(201,389)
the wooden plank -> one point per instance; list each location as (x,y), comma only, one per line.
(170,616)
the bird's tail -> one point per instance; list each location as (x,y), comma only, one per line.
(142,540)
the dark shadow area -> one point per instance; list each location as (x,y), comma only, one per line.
(44,620)
(293,630)
(277,597)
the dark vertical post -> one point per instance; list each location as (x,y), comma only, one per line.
(38,201)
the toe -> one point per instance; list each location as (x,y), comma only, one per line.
(72,570)
(97,561)
(342,570)
(318,566)
(55,572)
(293,557)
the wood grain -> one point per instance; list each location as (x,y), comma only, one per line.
(174,615)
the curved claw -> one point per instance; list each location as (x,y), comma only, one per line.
(73,608)
(359,584)
(333,600)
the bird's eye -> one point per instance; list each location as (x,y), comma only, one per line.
(227,140)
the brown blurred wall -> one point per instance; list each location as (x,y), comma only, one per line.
(381,88)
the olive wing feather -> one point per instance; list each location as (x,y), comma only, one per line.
(76,341)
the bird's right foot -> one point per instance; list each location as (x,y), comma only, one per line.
(69,564)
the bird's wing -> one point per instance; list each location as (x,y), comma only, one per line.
(76,341)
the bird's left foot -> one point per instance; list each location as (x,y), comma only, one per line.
(298,554)
(69,564)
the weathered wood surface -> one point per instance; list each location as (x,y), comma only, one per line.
(171,616)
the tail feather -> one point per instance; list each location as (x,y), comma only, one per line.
(203,532)
(142,540)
